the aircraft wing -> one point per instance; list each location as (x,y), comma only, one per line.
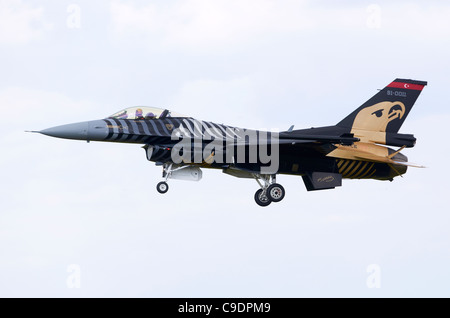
(344,139)
(355,154)
(291,140)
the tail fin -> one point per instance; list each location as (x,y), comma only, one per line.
(385,112)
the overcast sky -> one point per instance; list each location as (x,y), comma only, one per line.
(85,220)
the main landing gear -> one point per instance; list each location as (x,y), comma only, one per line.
(270,190)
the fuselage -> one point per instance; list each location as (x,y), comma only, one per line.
(163,134)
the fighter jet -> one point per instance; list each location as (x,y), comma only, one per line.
(354,148)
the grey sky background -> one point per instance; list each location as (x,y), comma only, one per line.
(252,63)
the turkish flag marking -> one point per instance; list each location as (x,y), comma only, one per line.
(406,86)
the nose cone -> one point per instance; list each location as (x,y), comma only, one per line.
(71,131)
(88,130)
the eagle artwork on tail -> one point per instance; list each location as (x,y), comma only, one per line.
(378,116)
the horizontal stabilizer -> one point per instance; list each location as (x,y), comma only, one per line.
(375,158)
(408,164)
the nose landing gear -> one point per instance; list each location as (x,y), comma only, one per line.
(179,172)
(163,186)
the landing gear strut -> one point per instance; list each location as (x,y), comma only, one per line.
(163,186)
(270,190)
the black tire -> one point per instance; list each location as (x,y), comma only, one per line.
(262,199)
(162,187)
(276,192)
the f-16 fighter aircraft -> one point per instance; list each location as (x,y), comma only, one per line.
(354,148)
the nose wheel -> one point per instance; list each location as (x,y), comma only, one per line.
(162,187)
(269,192)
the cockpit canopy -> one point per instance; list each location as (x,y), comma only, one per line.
(144,112)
